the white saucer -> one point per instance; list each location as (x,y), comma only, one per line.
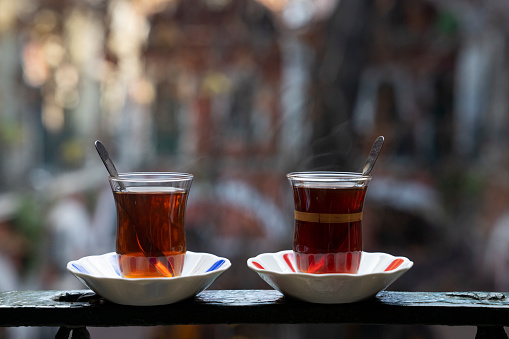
(376,272)
(101,274)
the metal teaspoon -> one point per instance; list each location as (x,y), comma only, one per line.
(373,155)
(165,269)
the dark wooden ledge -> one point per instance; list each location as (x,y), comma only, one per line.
(83,308)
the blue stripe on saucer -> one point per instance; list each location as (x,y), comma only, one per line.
(79,268)
(216,265)
(114,264)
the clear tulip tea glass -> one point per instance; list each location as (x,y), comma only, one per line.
(328,220)
(151,238)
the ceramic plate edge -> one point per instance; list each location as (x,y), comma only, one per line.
(402,268)
(221,269)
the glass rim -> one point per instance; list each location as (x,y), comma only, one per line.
(152,177)
(329,176)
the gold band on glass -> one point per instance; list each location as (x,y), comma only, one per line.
(327,218)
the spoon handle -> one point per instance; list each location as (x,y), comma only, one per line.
(105,157)
(373,155)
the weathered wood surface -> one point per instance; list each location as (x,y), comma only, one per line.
(82,308)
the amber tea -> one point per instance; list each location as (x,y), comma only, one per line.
(328,221)
(151,239)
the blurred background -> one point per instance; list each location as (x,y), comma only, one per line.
(239,93)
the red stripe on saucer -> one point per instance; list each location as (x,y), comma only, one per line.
(393,265)
(288,261)
(257,265)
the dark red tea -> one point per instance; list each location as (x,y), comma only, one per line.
(151,240)
(328,235)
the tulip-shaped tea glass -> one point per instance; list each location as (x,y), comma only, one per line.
(151,238)
(328,219)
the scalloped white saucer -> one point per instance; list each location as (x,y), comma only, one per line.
(376,272)
(101,274)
